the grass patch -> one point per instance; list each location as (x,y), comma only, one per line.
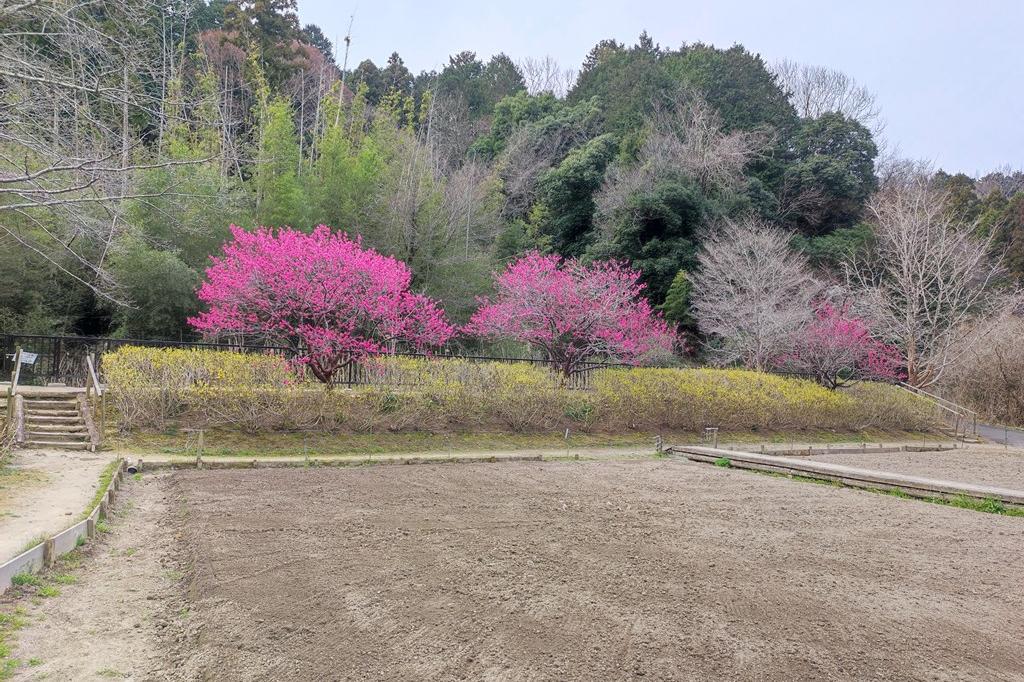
(233,443)
(48,591)
(723,462)
(102,526)
(34,542)
(101,489)
(10,623)
(17,478)
(27,579)
(987,506)
(64,579)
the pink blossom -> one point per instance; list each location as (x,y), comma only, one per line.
(322,294)
(838,350)
(571,311)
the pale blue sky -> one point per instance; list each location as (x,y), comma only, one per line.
(949,75)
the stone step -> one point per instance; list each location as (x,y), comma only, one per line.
(56,428)
(51,404)
(67,445)
(53,419)
(31,412)
(58,437)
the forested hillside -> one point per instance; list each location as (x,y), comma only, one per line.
(132,137)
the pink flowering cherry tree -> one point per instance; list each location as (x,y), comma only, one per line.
(322,295)
(572,311)
(838,350)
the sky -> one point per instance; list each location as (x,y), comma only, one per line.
(948,74)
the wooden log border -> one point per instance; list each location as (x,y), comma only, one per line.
(47,552)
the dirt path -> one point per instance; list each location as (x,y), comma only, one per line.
(590,570)
(60,486)
(114,621)
(981,464)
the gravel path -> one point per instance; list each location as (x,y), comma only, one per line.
(62,485)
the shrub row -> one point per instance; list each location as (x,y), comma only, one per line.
(206,390)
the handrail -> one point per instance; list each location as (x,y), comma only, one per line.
(13,388)
(92,378)
(16,372)
(968,415)
(937,398)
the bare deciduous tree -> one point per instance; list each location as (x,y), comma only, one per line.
(546,75)
(686,136)
(815,90)
(74,76)
(929,282)
(751,292)
(990,376)
(529,152)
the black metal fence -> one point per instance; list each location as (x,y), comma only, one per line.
(62,359)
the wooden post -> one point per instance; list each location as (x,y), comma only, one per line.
(90,527)
(48,554)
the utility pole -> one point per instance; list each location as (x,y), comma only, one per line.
(344,69)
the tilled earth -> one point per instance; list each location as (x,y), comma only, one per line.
(657,569)
(987,464)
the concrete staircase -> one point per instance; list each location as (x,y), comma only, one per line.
(55,420)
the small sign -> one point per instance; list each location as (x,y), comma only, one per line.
(28,358)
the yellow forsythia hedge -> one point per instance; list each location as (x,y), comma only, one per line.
(155,388)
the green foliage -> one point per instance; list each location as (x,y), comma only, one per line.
(269,26)
(834,163)
(625,82)
(723,462)
(737,83)
(280,199)
(367,77)
(395,77)
(509,115)
(161,289)
(656,230)
(312,34)
(476,85)
(835,248)
(567,193)
(676,307)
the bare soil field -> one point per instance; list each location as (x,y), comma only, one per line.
(993,465)
(655,569)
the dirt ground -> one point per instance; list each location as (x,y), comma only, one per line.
(124,608)
(656,569)
(993,465)
(53,489)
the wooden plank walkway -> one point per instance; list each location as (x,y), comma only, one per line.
(915,486)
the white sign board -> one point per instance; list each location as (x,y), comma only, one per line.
(28,358)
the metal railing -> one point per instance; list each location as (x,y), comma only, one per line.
(963,419)
(77,360)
